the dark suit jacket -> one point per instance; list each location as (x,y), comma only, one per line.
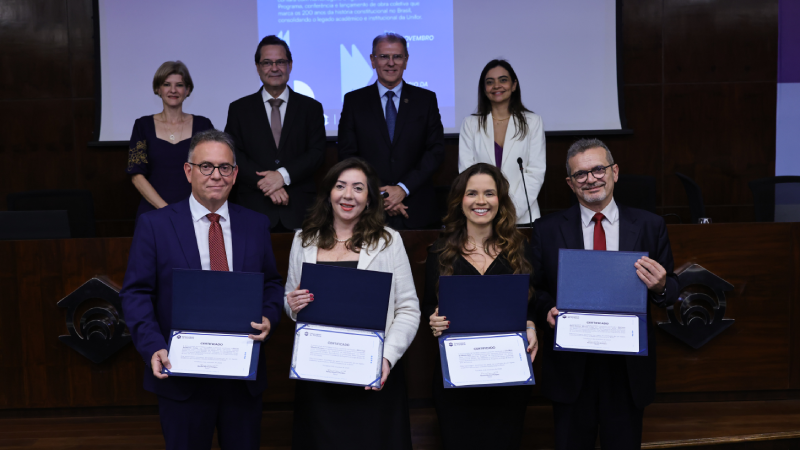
(164,240)
(563,372)
(301,152)
(411,157)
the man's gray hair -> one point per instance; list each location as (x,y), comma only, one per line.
(211,135)
(582,145)
(391,38)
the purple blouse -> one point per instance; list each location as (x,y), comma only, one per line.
(498,155)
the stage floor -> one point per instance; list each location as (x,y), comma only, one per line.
(715,425)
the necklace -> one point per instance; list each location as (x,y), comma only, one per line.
(502,120)
(341,240)
(171,134)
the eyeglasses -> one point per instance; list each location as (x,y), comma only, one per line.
(598,173)
(207,169)
(281,63)
(385,58)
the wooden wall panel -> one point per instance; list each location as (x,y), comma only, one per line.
(754,358)
(754,353)
(720,41)
(642,39)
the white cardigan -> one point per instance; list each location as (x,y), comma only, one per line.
(476,146)
(402,318)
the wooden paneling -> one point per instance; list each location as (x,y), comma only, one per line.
(642,39)
(720,41)
(754,357)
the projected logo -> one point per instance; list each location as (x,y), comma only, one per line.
(701,303)
(356,70)
(297,85)
(94,320)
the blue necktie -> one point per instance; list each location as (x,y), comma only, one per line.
(391,114)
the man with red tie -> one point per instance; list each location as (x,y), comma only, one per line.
(204,232)
(590,391)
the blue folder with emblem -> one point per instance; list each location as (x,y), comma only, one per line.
(599,289)
(339,336)
(208,302)
(484,308)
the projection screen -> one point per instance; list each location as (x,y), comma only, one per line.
(565,54)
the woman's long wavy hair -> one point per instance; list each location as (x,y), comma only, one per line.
(318,225)
(515,106)
(506,238)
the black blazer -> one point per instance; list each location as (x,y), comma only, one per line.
(411,157)
(301,152)
(563,372)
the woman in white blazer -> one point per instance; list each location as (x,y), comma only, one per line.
(503,131)
(346,228)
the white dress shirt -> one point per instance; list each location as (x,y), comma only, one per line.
(382,90)
(201,227)
(610,225)
(282,109)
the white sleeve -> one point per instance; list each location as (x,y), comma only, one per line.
(403,328)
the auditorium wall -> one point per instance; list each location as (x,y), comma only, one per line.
(699,93)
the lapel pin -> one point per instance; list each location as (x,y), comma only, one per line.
(405,100)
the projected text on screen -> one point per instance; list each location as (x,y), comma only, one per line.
(331,42)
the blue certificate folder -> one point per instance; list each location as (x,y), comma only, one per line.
(484,303)
(602,282)
(481,306)
(217,302)
(344,298)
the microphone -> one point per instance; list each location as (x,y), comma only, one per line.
(522,173)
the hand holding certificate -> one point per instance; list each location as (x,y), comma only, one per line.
(601,303)
(481,350)
(215,314)
(339,334)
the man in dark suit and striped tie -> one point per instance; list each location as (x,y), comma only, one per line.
(396,127)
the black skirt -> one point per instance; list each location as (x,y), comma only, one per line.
(336,416)
(482,417)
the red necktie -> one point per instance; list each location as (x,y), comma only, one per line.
(216,244)
(599,232)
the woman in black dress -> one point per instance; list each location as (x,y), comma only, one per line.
(160,143)
(345,228)
(479,238)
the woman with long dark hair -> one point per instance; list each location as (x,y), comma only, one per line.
(345,228)
(502,131)
(479,237)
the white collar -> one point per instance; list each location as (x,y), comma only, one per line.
(382,90)
(611,213)
(199,211)
(284,95)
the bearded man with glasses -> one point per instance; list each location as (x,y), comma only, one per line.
(206,232)
(280,141)
(592,391)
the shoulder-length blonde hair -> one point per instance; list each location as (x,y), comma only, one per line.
(505,237)
(318,225)
(172,68)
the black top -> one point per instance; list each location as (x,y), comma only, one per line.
(346,264)
(500,266)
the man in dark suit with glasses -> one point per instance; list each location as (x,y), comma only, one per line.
(396,127)
(598,391)
(280,141)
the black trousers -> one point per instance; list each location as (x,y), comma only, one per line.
(226,405)
(604,403)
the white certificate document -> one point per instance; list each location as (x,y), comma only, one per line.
(210,354)
(337,355)
(488,359)
(603,332)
